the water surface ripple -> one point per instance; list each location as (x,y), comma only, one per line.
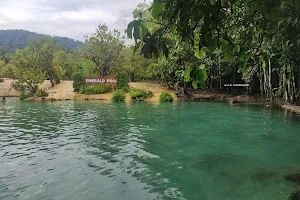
(99,150)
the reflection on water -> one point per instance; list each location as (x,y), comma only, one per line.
(97,150)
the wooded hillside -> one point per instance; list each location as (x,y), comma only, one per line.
(19,39)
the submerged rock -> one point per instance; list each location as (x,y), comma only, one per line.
(295,195)
(295,178)
(263,174)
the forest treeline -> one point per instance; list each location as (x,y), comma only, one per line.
(103,53)
(188,44)
(213,42)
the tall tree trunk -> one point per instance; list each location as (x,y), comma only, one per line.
(284,83)
(297,82)
(265,78)
(261,84)
(51,81)
(270,81)
(220,76)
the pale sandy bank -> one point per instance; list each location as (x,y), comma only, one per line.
(6,89)
(292,108)
(64,92)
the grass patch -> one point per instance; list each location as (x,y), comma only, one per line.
(99,89)
(165,97)
(140,94)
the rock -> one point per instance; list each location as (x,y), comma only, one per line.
(263,174)
(295,178)
(295,195)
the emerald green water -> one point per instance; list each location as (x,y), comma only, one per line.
(98,150)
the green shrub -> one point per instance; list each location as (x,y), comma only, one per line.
(123,80)
(25,95)
(82,90)
(165,97)
(99,89)
(21,87)
(140,94)
(41,93)
(77,82)
(119,95)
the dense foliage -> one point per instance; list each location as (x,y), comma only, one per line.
(41,93)
(99,89)
(119,95)
(19,39)
(187,45)
(123,80)
(140,94)
(77,82)
(103,48)
(165,97)
(209,43)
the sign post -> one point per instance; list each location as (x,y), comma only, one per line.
(92,81)
(236,85)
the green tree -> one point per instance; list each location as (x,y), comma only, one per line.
(103,48)
(26,68)
(45,48)
(225,41)
(134,64)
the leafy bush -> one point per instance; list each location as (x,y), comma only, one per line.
(123,80)
(140,94)
(119,95)
(25,95)
(22,87)
(77,82)
(82,90)
(41,93)
(165,97)
(99,89)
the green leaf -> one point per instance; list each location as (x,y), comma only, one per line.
(136,32)
(212,45)
(195,84)
(203,78)
(168,41)
(202,66)
(157,9)
(196,40)
(129,29)
(144,29)
(201,54)
(187,76)
(226,51)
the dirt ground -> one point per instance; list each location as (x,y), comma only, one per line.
(64,92)
(292,108)
(6,90)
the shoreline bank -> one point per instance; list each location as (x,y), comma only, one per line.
(64,92)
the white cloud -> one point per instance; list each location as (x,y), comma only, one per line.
(69,18)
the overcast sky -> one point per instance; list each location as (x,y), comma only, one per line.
(69,18)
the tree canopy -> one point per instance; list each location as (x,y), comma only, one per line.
(225,41)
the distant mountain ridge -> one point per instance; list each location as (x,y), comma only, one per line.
(19,39)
